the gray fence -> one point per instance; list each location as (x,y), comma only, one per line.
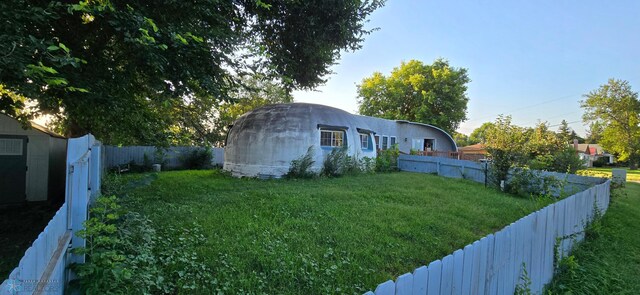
(477,171)
(495,264)
(43,268)
(115,156)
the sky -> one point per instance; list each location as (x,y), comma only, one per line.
(533,60)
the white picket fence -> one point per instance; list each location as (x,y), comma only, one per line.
(496,263)
(43,268)
(120,155)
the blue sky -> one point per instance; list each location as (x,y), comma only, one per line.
(530,59)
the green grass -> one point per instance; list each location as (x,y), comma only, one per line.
(343,235)
(608,262)
(632,175)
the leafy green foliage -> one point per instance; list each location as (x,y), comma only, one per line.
(199,158)
(301,167)
(336,163)
(479,135)
(563,161)
(524,282)
(433,94)
(157,70)
(529,183)
(387,160)
(538,148)
(339,235)
(126,255)
(253,92)
(615,108)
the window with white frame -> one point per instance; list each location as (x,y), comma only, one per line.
(392,141)
(332,138)
(377,142)
(364,141)
(385,142)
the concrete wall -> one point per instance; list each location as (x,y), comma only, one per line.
(263,142)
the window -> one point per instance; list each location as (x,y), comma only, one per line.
(392,141)
(332,138)
(10,147)
(364,141)
(385,142)
(377,142)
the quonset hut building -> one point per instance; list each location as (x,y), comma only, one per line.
(263,142)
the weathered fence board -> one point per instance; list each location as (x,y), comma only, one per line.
(43,268)
(494,264)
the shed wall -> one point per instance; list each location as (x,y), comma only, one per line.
(38,161)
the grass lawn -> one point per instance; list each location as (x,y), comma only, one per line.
(343,235)
(632,175)
(609,261)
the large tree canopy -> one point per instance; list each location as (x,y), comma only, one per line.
(127,70)
(433,94)
(615,108)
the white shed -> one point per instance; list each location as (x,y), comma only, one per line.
(32,163)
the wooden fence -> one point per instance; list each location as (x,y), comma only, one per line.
(459,155)
(496,263)
(115,156)
(43,268)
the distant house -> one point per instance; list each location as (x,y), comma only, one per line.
(32,163)
(590,152)
(474,152)
(263,142)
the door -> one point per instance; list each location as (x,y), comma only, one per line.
(429,144)
(13,168)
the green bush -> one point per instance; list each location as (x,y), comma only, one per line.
(563,161)
(199,158)
(567,161)
(301,167)
(387,160)
(336,163)
(529,183)
(600,162)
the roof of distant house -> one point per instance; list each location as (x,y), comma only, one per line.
(473,147)
(590,149)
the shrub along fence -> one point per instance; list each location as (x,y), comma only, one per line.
(525,253)
(43,268)
(478,171)
(170,158)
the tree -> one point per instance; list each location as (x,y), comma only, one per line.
(564,132)
(479,135)
(432,94)
(255,92)
(461,139)
(144,66)
(504,143)
(594,134)
(542,141)
(617,108)
(575,136)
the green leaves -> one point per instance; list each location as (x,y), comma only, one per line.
(433,94)
(613,110)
